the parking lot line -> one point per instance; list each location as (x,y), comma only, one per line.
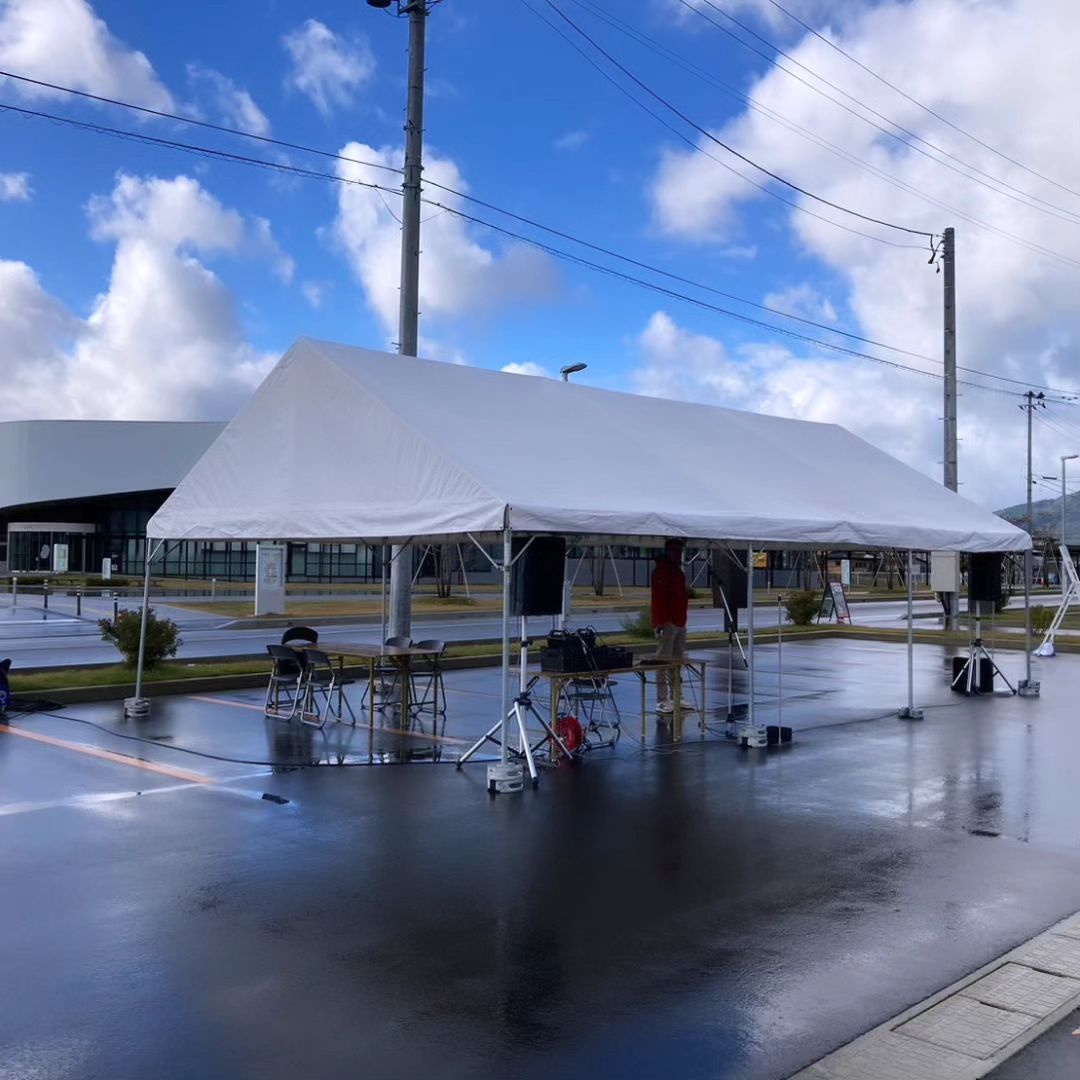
(108,755)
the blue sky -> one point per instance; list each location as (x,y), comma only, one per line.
(141,281)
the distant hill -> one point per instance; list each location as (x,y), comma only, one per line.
(1046,517)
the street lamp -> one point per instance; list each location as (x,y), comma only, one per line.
(573,369)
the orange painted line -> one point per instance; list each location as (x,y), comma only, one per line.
(388,730)
(107,755)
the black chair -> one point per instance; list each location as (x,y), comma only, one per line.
(322,679)
(285,690)
(300,633)
(431,694)
(386,675)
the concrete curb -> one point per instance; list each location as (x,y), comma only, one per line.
(884,1053)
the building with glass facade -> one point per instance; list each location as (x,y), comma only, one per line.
(75,492)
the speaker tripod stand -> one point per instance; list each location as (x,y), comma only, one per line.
(522,708)
(968,673)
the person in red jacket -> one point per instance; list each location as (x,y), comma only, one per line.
(669,610)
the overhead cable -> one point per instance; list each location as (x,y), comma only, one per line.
(719,142)
(926,108)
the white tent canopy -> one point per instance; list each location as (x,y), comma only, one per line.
(342,443)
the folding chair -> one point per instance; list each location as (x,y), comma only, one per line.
(427,691)
(590,698)
(321,678)
(385,676)
(300,633)
(285,688)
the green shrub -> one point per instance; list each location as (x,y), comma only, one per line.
(162,637)
(1041,618)
(802,607)
(639,624)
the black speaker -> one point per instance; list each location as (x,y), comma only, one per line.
(984,578)
(984,684)
(728,575)
(536,579)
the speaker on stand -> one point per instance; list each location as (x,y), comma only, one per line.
(974,674)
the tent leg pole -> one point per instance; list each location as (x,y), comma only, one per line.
(138,705)
(750,735)
(1027,687)
(382,628)
(910,712)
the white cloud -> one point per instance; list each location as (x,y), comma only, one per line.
(265,246)
(15,187)
(64,42)
(458,274)
(326,67)
(572,140)
(803,300)
(893,410)
(527,368)
(232,104)
(162,340)
(1016,309)
(314,293)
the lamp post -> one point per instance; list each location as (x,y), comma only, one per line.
(573,369)
(1064,542)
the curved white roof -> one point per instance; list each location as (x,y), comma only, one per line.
(52,460)
(346,443)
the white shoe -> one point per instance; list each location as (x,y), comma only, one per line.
(688,705)
(665,708)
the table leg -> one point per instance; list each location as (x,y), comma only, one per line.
(704,713)
(405,672)
(644,679)
(371,692)
(676,682)
(556,695)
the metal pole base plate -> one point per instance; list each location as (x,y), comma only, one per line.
(914,713)
(751,737)
(505,779)
(136,707)
(1028,688)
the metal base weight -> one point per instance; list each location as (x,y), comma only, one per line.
(505,779)
(755,738)
(912,713)
(135,707)
(1028,688)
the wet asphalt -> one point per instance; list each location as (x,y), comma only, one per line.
(682,911)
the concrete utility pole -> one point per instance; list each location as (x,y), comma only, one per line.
(951,601)
(401,569)
(1032,402)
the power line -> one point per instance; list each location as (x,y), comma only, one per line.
(193,121)
(926,108)
(763,188)
(1052,208)
(217,154)
(1029,245)
(719,142)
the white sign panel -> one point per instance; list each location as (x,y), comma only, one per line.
(945,571)
(106,569)
(60,558)
(845,571)
(270,579)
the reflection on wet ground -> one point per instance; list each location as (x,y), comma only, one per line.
(691,910)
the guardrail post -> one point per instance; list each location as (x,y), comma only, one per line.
(115,606)
(45,593)
(213,588)
(78,603)
(14,589)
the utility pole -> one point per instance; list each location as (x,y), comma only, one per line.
(1027,688)
(401,569)
(950,601)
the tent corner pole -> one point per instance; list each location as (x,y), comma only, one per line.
(138,705)
(751,733)
(910,712)
(507,561)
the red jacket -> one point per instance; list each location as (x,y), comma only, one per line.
(669,595)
